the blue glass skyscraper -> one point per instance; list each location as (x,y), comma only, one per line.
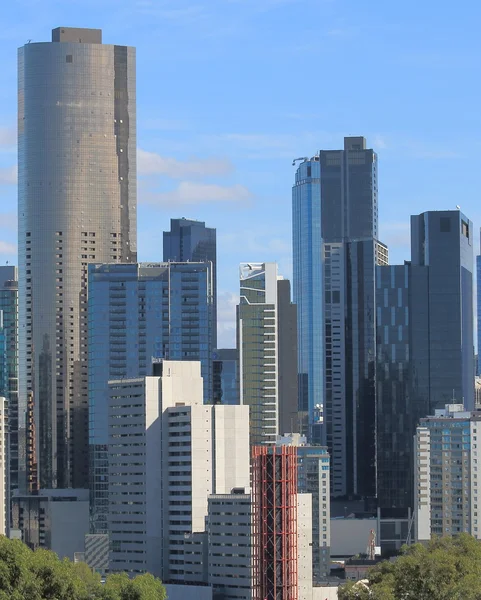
(136,313)
(308,284)
(478,308)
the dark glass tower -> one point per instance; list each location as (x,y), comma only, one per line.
(192,241)
(425,354)
(351,251)
(402,378)
(443,241)
(77,185)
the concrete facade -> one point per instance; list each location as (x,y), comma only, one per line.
(57,520)
(167,454)
(446,467)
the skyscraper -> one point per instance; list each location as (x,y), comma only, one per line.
(443,241)
(351,249)
(138,312)
(336,248)
(191,241)
(267,351)
(308,284)
(76,205)
(9,376)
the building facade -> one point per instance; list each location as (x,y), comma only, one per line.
(168,452)
(76,205)
(9,376)
(313,476)
(446,474)
(225,376)
(443,242)
(191,241)
(56,520)
(402,377)
(308,283)
(140,312)
(266,342)
(229,536)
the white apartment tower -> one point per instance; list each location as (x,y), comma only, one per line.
(446,491)
(168,452)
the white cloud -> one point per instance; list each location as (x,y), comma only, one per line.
(190,193)
(150,163)
(226,319)
(8,175)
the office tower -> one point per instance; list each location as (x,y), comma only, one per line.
(282,523)
(265,320)
(191,241)
(313,478)
(56,520)
(402,378)
(446,478)
(308,284)
(4,465)
(336,249)
(9,373)
(76,205)
(138,312)
(168,452)
(443,241)
(229,534)
(225,376)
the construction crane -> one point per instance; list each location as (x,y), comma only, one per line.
(371,546)
(296,159)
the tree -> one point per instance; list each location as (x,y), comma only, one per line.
(445,569)
(41,575)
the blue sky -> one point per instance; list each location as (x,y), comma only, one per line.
(230,91)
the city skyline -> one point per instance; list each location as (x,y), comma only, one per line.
(252,152)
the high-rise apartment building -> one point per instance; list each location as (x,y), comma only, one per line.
(443,242)
(313,478)
(191,241)
(168,452)
(267,351)
(76,205)
(446,474)
(4,465)
(9,375)
(229,537)
(138,312)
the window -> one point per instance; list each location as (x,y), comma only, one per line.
(444,224)
(69,58)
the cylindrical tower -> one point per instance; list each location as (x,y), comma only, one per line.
(76,205)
